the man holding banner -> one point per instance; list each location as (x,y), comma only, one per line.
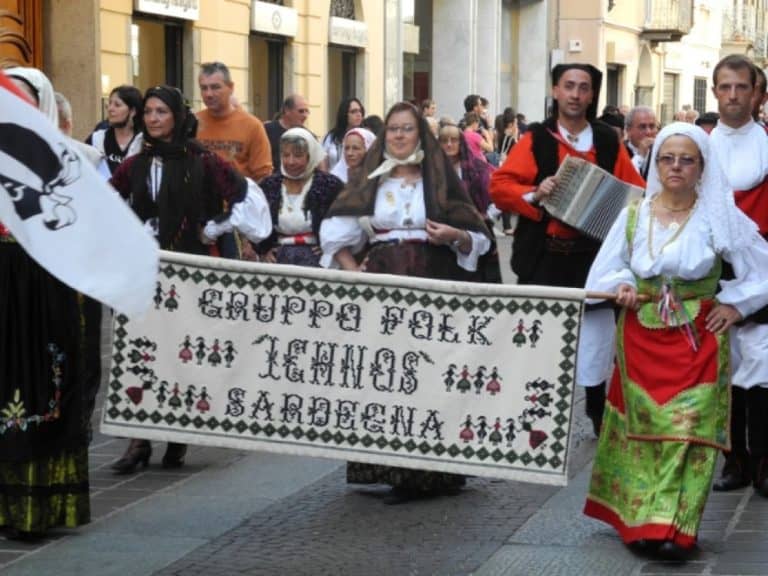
(56,213)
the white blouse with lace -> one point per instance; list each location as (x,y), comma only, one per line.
(399,214)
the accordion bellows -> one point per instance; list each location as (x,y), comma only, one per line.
(589,198)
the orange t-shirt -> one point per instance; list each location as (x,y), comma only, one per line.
(239,139)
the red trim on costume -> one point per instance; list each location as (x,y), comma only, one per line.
(682,368)
(643,532)
(754,203)
(302,239)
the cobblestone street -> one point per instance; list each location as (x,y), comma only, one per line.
(233,512)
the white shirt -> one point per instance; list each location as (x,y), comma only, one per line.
(401,212)
(742,153)
(689,257)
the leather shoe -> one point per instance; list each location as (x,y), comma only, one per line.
(761,478)
(668,550)
(174,455)
(137,453)
(735,475)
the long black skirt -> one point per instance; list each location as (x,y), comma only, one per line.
(43,435)
(424,261)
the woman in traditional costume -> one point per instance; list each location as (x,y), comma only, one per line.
(350,114)
(187,197)
(475,174)
(357,141)
(666,415)
(409,209)
(43,433)
(298,196)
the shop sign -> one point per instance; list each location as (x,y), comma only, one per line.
(186,9)
(273,19)
(348,32)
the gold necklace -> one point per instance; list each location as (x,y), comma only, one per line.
(668,209)
(674,236)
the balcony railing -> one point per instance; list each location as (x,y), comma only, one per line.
(745,24)
(667,20)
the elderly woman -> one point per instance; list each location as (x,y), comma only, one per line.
(298,196)
(475,174)
(44,444)
(187,197)
(356,144)
(409,208)
(667,409)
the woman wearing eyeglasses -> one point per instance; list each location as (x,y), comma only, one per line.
(409,208)
(666,415)
(349,115)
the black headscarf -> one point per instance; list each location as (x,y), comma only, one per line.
(597,79)
(180,205)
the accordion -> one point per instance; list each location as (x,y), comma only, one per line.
(589,198)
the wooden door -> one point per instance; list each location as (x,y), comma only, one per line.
(21,33)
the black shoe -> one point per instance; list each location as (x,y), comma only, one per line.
(668,550)
(174,455)
(761,477)
(735,475)
(19,536)
(595,405)
(643,547)
(138,452)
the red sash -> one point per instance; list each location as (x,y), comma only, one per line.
(754,203)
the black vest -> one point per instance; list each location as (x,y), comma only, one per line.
(529,240)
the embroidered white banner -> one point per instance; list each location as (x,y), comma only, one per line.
(457,377)
(66,216)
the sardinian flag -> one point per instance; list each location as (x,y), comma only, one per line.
(66,216)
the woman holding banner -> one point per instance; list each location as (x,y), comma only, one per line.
(667,409)
(408,208)
(43,446)
(187,197)
(298,197)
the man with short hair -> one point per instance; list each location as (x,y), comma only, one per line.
(294,112)
(229,131)
(546,250)
(641,129)
(741,148)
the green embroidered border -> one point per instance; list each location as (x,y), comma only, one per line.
(570,314)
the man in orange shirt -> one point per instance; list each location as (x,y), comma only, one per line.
(234,135)
(230,131)
(545,250)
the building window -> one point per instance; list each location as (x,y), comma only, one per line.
(613,84)
(343,9)
(700,95)
(157,53)
(669,103)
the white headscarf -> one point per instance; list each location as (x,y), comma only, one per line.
(314,148)
(341,170)
(731,228)
(45,94)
